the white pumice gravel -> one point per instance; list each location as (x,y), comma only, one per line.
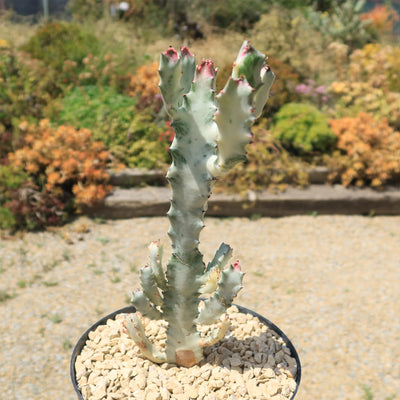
(331,283)
(251,359)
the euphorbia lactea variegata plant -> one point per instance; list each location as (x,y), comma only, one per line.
(211,133)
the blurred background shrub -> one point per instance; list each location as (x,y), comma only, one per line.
(368,151)
(27,87)
(344,23)
(372,84)
(303,129)
(144,87)
(54,172)
(58,41)
(105,112)
(132,137)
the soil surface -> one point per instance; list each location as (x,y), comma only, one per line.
(331,283)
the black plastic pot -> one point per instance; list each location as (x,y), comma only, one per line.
(130,309)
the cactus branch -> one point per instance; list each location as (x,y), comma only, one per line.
(217,334)
(228,287)
(149,285)
(135,329)
(221,257)
(142,304)
(156,264)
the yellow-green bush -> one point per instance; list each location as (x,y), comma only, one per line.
(377,65)
(372,85)
(354,97)
(303,129)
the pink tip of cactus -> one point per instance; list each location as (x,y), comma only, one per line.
(247,49)
(172,54)
(185,52)
(206,69)
(236,266)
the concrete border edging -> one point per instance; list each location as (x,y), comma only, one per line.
(319,199)
(130,177)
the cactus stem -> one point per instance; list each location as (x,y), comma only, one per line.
(211,132)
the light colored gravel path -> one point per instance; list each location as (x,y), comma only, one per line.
(331,283)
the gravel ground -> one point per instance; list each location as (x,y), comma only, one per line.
(331,283)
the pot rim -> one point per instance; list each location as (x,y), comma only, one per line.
(131,309)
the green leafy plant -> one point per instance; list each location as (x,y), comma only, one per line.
(303,129)
(6,145)
(58,41)
(101,109)
(94,70)
(235,14)
(211,133)
(23,205)
(132,137)
(146,144)
(82,9)
(343,23)
(27,87)
(293,43)
(12,179)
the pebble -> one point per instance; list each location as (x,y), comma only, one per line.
(165,393)
(193,391)
(235,360)
(272,387)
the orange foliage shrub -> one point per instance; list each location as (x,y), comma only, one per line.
(64,161)
(144,86)
(369,151)
(382,17)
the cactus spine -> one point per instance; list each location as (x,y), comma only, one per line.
(211,133)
